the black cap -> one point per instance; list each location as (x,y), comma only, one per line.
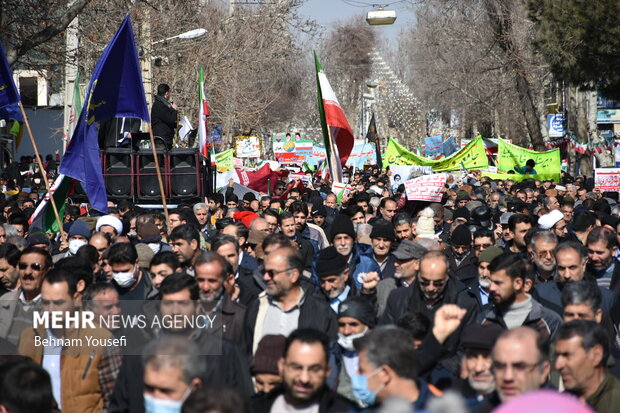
(480,336)
(383,229)
(461,236)
(358,308)
(342,224)
(461,212)
(330,262)
(319,211)
(249,196)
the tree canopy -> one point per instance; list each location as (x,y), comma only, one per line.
(580,41)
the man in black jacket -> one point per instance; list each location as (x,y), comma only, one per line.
(164,115)
(285,305)
(432,289)
(223,360)
(304,371)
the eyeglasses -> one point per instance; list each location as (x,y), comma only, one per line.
(481,246)
(280,188)
(544,254)
(519,368)
(435,283)
(272,273)
(33,266)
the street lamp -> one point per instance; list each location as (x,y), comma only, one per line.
(147,71)
(381,17)
(192,34)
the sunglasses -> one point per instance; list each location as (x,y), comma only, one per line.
(34,266)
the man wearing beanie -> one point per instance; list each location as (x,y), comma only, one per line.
(79,234)
(382,237)
(149,234)
(463,263)
(480,287)
(343,237)
(356,317)
(264,365)
(333,275)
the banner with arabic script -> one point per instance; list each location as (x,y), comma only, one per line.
(472,156)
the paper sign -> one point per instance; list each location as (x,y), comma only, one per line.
(426,188)
(607,179)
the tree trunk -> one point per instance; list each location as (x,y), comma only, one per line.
(500,19)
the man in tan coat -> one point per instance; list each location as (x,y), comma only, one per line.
(81,360)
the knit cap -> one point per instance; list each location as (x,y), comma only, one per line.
(342,225)
(270,349)
(330,262)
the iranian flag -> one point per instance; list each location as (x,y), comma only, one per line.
(203,130)
(337,133)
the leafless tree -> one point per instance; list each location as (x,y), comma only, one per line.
(476,57)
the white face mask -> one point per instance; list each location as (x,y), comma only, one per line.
(132,234)
(75,244)
(155,405)
(346,342)
(124,279)
(37,181)
(155,247)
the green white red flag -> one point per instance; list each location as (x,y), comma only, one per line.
(203,129)
(337,132)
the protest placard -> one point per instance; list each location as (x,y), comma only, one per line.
(426,188)
(607,179)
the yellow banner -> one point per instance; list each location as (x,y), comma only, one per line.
(224,160)
(472,156)
(511,157)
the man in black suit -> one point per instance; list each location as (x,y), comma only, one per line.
(164,115)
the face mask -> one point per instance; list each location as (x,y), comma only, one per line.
(74,245)
(132,234)
(346,342)
(361,390)
(37,181)
(155,247)
(345,180)
(155,405)
(124,279)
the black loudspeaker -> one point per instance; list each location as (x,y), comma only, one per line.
(118,172)
(184,177)
(148,185)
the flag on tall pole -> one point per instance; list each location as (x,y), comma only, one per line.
(8,91)
(337,132)
(373,137)
(43,217)
(203,129)
(9,99)
(115,90)
(76,107)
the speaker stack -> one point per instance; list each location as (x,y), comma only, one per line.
(118,166)
(132,174)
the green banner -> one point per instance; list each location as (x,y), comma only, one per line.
(472,156)
(520,177)
(548,164)
(224,160)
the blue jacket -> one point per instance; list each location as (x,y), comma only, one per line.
(362,262)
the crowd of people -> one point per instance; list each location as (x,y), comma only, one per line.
(321,303)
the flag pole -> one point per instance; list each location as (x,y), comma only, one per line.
(332,159)
(159,180)
(47,184)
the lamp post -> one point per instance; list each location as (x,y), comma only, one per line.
(147,57)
